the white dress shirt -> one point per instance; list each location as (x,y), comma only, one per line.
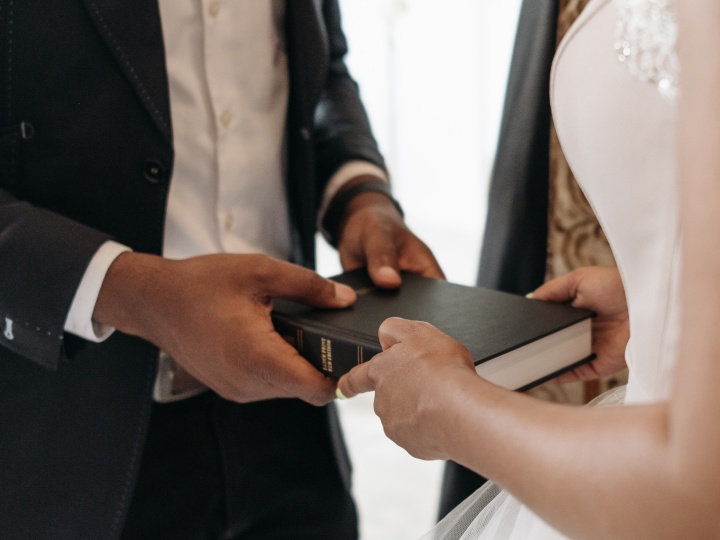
(228,81)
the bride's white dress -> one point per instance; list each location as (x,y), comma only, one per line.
(612,91)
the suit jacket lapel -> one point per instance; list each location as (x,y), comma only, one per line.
(307,49)
(515,241)
(133,31)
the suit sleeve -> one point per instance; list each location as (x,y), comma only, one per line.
(43,257)
(342,129)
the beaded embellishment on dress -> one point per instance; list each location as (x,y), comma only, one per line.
(646,38)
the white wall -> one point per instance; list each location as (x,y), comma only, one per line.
(432,76)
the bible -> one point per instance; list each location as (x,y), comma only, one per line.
(516,342)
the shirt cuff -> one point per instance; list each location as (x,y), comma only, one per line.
(79,320)
(352,169)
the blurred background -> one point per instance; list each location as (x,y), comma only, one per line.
(432,75)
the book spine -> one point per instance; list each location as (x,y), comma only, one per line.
(330,353)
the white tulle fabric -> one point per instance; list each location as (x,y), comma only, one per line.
(616,123)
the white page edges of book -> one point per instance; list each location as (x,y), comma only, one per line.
(535,360)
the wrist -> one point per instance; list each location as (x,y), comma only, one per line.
(371,200)
(462,387)
(124,301)
(359,193)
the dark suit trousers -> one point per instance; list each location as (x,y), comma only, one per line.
(213,469)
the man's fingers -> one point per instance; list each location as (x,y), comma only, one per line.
(382,261)
(356,381)
(417,258)
(292,282)
(431,268)
(290,374)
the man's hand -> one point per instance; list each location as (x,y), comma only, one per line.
(600,289)
(373,234)
(212,315)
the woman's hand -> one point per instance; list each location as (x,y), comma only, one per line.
(600,289)
(416,380)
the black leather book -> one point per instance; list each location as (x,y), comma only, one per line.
(516,342)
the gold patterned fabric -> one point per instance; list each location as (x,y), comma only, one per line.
(575,237)
(568,11)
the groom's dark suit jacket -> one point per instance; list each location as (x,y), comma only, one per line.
(86,154)
(514,249)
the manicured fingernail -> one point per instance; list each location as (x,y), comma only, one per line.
(344,293)
(529,295)
(389,273)
(339,394)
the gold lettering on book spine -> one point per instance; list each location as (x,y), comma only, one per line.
(329,346)
(326,354)
(323,353)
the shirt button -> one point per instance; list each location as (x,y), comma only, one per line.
(229,221)
(154,171)
(226,118)
(214,8)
